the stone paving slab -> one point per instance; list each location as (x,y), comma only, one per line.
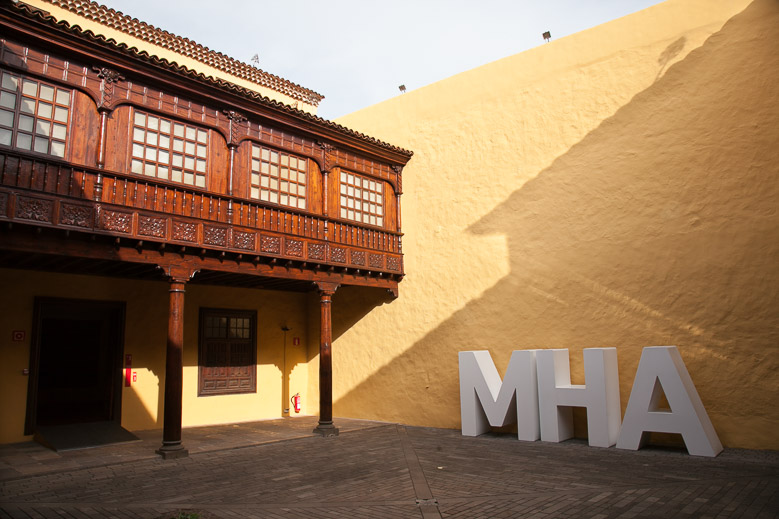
(29,458)
(386,470)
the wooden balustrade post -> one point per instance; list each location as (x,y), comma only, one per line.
(326,426)
(174,365)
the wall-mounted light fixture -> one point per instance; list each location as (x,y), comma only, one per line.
(547,36)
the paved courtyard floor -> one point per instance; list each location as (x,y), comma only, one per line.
(277,469)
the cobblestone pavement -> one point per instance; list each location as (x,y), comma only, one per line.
(385,470)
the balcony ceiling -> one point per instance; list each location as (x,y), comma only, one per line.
(45,262)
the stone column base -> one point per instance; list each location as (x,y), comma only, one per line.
(172,452)
(326,429)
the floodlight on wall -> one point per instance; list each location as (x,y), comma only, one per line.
(547,36)
(402,89)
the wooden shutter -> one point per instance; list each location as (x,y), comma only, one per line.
(228,348)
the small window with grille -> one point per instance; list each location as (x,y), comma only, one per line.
(227,358)
(168,149)
(362,199)
(278,177)
(34,116)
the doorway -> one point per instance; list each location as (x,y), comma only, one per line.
(75,363)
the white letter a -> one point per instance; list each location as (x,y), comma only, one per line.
(664,366)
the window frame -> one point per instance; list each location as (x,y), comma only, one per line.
(344,197)
(203,351)
(36,116)
(257,176)
(169,167)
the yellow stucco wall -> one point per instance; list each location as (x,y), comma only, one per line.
(161,52)
(617,187)
(145,338)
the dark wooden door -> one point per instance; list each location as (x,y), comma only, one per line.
(75,362)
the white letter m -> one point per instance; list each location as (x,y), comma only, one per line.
(486,401)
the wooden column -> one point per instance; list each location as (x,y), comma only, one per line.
(174,366)
(108,78)
(235,119)
(325,427)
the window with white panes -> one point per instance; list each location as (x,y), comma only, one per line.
(168,149)
(33,115)
(362,199)
(278,177)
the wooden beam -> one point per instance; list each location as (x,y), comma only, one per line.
(56,244)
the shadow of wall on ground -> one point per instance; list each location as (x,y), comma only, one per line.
(660,227)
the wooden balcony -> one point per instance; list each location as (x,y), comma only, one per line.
(151,214)
(106,189)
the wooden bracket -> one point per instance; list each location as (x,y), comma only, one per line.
(326,287)
(178,273)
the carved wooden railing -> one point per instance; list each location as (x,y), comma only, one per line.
(47,192)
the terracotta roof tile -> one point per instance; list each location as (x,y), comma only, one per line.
(186,47)
(33,12)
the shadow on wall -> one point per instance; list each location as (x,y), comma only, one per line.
(669,54)
(660,227)
(349,305)
(352,303)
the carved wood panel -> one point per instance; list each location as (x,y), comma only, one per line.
(184,231)
(338,254)
(393,263)
(149,226)
(117,221)
(213,235)
(76,215)
(316,251)
(35,209)
(376,261)
(294,248)
(271,244)
(244,240)
(358,257)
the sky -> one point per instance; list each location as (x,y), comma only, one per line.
(358,52)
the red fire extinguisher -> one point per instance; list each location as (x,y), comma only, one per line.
(296,402)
